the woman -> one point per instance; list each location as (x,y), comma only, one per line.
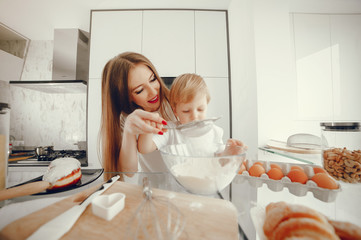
(134,101)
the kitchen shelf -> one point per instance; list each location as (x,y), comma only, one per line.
(303,158)
(56,86)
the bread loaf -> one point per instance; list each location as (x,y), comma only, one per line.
(346,230)
(292,221)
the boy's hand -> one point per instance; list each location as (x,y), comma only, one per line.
(234,147)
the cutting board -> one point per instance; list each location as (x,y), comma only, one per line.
(206,218)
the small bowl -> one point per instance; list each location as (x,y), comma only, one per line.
(107,206)
(203,170)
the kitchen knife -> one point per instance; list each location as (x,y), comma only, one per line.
(57,227)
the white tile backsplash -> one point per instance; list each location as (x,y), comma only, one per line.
(42,119)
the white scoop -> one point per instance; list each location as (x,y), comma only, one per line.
(196,128)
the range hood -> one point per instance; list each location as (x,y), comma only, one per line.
(70,55)
(70,64)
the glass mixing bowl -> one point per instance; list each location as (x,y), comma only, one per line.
(203,170)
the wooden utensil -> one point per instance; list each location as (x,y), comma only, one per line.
(18,158)
(206,218)
(24,190)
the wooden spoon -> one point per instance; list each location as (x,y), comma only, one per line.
(23,190)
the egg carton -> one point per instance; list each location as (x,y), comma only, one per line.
(295,188)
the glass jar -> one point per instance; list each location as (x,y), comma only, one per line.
(341,150)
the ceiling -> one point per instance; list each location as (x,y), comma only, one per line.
(37,19)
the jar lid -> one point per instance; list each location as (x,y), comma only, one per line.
(341,126)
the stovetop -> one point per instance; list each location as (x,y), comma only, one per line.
(78,154)
(44,160)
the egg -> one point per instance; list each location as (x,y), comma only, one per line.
(323,180)
(275,173)
(296,175)
(260,163)
(295,167)
(275,165)
(319,170)
(256,170)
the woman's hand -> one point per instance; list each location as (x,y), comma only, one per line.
(143,122)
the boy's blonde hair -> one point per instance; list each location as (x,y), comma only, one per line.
(185,87)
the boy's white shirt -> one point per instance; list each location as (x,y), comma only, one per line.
(174,136)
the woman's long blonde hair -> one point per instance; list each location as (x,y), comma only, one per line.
(116,104)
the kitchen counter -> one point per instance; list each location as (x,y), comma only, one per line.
(32,203)
(243,196)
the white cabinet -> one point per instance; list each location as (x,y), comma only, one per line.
(211,43)
(176,41)
(11,66)
(94,120)
(113,32)
(346,62)
(13,49)
(313,66)
(328,56)
(168,41)
(219,104)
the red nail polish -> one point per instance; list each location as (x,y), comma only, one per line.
(160,133)
(164,122)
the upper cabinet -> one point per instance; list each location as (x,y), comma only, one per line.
(176,41)
(211,43)
(346,62)
(113,32)
(13,48)
(327,52)
(168,41)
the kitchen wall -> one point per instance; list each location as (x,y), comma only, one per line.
(265,104)
(39,61)
(40,118)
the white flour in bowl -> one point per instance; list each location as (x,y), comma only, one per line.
(205,176)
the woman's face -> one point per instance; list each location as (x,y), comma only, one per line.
(144,88)
(193,110)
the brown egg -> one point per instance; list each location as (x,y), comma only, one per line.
(323,180)
(319,170)
(296,167)
(297,176)
(275,174)
(260,163)
(275,165)
(256,170)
